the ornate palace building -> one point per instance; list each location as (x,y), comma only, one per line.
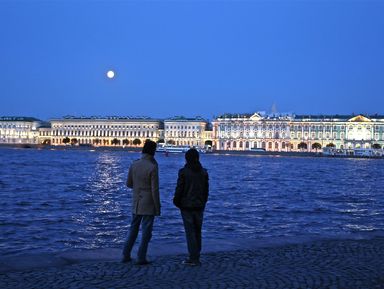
(185,131)
(19,130)
(297,133)
(104,131)
(246,131)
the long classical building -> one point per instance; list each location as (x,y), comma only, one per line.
(104,131)
(297,133)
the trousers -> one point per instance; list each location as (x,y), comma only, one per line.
(146,235)
(193,221)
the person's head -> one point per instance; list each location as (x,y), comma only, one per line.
(192,156)
(149,147)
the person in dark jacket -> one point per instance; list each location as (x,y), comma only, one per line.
(191,196)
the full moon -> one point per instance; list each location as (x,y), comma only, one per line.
(110,74)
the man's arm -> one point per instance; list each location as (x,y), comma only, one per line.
(130,178)
(155,189)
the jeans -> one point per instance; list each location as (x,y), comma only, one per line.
(193,221)
(146,235)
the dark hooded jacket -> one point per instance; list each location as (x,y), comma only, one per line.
(192,187)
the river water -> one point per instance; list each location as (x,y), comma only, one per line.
(59,200)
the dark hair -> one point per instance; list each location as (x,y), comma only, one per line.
(192,156)
(149,147)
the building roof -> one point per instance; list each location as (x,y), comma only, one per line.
(344,117)
(45,124)
(235,115)
(18,118)
(321,117)
(104,118)
(183,118)
(256,116)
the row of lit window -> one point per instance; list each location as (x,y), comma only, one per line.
(260,127)
(10,132)
(313,135)
(178,127)
(181,134)
(295,127)
(105,126)
(322,128)
(294,135)
(246,145)
(104,133)
(335,136)
(14,126)
(255,135)
(189,143)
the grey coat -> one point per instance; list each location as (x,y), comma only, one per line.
(143,178)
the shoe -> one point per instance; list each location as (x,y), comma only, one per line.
(191,263)
(126,260)
(143,262)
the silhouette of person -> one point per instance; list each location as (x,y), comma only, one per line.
(143,178)
(191,196)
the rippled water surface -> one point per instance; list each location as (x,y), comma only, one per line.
(55,200)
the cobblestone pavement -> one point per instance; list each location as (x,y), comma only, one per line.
(324,264)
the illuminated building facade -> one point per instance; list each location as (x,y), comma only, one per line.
(183,131)
(246,131)
(45,135)
(341,132)
(309,133)
(19,130)
(112,131)
(297,133)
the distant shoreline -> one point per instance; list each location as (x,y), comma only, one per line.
(138,149)
(215,152)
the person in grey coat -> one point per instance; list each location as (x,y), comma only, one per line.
(143,178)
(191,196)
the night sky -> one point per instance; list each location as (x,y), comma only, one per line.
(191,58)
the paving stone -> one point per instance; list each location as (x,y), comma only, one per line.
(326,264)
